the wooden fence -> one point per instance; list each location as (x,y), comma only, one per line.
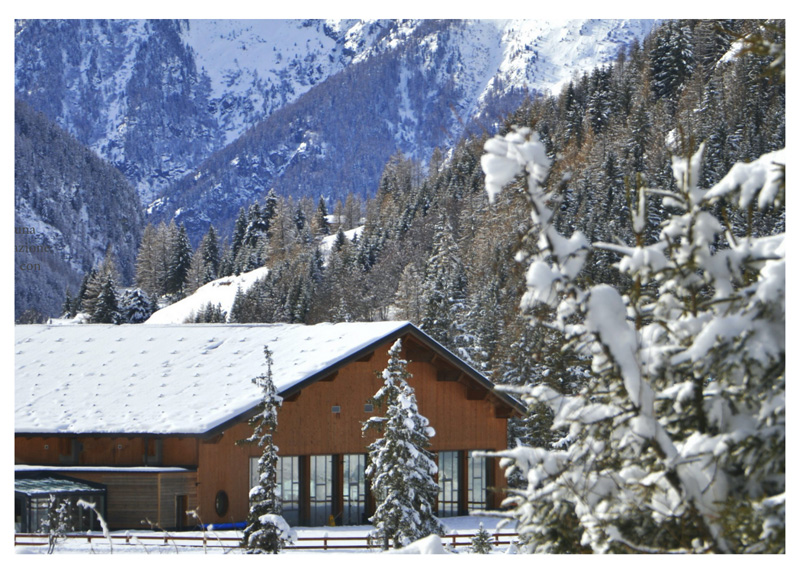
(210,541)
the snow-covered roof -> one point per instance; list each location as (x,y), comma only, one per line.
(51,485)
(167,379)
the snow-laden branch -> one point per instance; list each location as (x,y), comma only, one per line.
(687,385)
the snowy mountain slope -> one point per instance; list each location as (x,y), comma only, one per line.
(156,97)
(221,291)
(257,66)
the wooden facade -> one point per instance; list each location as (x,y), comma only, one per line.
(322,417)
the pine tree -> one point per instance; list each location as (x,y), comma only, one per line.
(239,230)
(482,542)
(320,225)
(68,308)
(148,276)
(205,265)
(409,297)
(135,306)
(266,531)
(180,261)
(401,470)
(445,289)
(209,252)
(95,283)
(106,309)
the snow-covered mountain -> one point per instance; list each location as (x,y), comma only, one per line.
(169,102)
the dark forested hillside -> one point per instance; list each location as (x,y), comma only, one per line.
(70,206)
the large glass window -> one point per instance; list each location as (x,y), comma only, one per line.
(321,490)
(354,489)
(477,483)
(288,485)
(289,488)
(449,475)
(77,519)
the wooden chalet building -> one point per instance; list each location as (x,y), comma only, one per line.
(148,417)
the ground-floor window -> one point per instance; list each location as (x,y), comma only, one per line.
(321,490)
(288,483)
(289,488)
(463,483)
(449,484)
(315,489)
(477,483)
(354,508)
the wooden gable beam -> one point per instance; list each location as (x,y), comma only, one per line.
(474,391)
(292,397)
(477,394)
(329,378)
(502,410)
(417,352)
(447,374)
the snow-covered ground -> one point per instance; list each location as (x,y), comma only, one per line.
(326,244)
(138,545)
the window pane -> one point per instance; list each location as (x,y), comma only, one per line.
(288,485)
(321,490)
(354,489)
(289,488)
(253,472)
(448,484)
(39,508)
(477,479)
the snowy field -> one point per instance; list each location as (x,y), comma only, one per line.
(141,545)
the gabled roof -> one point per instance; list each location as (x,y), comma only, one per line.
(181,379)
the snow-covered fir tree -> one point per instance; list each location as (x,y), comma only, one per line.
(266,531)
(445,289)
(400,468)
(135,306)
(677,438)
(482,542)
(106,309)
(179,263)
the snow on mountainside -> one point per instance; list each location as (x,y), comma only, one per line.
(539,55)
(221,291)
(258,66)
